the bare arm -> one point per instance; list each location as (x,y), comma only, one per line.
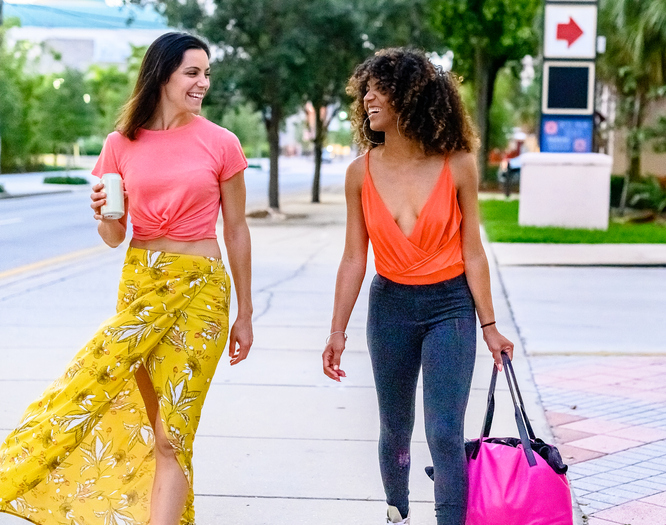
(237,242)
(350,272)
(112,231)
(474,256)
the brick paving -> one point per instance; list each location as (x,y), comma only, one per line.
(608,416)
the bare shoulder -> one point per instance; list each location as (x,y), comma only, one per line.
(463,168)
(355,173)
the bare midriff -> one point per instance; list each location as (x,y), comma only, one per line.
(202,247)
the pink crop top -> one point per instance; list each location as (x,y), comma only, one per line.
(173,177)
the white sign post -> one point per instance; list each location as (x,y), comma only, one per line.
(567,185)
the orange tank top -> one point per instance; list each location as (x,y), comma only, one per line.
(433,251)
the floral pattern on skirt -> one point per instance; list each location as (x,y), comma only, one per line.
(83,453)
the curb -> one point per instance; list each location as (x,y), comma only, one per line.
(5,195)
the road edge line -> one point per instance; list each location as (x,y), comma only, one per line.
(52,261)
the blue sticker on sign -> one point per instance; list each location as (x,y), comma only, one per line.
(566,135)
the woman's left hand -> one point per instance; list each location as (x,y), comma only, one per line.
(497,344)
(240,340)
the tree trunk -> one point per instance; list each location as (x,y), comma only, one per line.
(484,87)
(634,146)
(634,140)
(273,129)
(319,139)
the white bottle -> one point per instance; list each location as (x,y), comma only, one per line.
(115,199)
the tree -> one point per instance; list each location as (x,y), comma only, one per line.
(15,92)
(333,47)
(484,36)
(61,113)
(635,63)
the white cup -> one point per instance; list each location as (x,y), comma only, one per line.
(115,198)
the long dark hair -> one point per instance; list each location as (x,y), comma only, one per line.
(163,57)
(425,98)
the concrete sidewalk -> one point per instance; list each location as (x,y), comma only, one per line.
(278,442)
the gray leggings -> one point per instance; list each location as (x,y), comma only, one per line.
(432,327)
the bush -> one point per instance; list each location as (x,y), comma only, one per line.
(647,195)
(65,180)
(2,188)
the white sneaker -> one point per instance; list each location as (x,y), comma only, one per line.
(393,516)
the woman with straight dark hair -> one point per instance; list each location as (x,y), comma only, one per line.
(111,440)
(414,196)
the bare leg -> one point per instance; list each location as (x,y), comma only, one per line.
(170,486)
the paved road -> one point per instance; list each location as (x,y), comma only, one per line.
(41,227)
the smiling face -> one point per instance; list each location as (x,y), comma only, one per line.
(378,107)
(186,87)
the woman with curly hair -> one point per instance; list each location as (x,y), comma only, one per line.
(414,196)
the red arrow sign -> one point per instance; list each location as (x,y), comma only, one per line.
(569,32)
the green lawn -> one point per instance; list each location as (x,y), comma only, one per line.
(500,219)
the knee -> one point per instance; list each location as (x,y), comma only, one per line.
(445,439)
(398,434)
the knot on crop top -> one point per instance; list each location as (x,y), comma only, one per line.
(433,251)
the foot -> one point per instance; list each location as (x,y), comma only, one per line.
(393,516)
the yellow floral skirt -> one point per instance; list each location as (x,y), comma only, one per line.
(83,453)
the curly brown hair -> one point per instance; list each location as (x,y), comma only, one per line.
(425,98)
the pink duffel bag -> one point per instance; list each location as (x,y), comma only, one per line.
(514,481)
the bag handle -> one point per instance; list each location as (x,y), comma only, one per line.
(509,367)
(525,430)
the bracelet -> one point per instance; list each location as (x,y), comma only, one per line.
(336,332)
(488,324)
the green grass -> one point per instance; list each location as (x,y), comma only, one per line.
(65,180)
(500,219)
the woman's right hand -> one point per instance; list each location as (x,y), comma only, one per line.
(98,197)
(331,356)
(112,231)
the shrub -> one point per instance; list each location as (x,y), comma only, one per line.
(647,195)
(65,180)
